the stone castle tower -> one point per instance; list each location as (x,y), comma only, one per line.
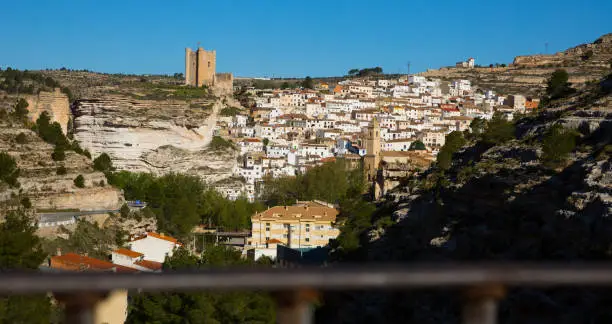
(200,67)
(371,160)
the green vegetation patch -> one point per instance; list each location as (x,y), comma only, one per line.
(218,143)
(230,111)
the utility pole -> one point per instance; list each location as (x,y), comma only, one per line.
(408,68)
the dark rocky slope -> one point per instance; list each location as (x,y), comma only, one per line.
(500,203)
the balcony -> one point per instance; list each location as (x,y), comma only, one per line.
(483,285)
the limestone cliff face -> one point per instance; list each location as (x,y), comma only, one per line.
(153,136)
(55,103)
(40,182)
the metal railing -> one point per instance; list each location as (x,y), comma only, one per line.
(295,289)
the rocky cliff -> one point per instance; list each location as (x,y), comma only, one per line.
(54,103)
(41,183)
(528,74)
(154,136)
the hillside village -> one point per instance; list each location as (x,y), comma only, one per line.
(289,131)
(388,129)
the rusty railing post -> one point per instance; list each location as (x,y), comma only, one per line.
(79,307)
(480,305)
(295,307)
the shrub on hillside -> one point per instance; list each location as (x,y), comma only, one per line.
(557,144)
(453,142)
(417,146)
(103,163)
(58,154)
(21,109)
(219,143)
(51,132)
(61,170)
(21,138)
(8,169)
(229,111)
(79,181)
(557,85)
(26,203)
(499,130)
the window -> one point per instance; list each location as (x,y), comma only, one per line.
(267,238)
(307,239)
(208,63)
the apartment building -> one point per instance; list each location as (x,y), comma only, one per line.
(304,225)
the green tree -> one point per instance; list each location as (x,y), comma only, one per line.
(58,154)
(266,141)
(87,238)
(444,159)
(103,163)
(453,142)
(499,130)
(353,72)
(21,109)
(202,307)
(307,83)
(51,132)
(417,146)
(477,127)
(21,250)
(79,181)
(124,211)
(9,172)
(557,144)
(557,85)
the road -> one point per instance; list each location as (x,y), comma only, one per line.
(58,216)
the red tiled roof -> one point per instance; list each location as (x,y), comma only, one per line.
(149,264)
(163,237)
(130,253)
(76,262)
(273,241)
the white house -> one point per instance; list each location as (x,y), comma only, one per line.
(135,260)
(250,145)
(154,246)
(276,151)
(397,144)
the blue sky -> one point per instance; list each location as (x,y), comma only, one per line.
(289,38)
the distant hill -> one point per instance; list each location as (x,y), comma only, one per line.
(527,74)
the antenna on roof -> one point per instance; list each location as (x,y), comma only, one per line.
(546,48)
(408,68)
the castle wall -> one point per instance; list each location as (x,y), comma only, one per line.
(224,83)
(190,67)
(207,65)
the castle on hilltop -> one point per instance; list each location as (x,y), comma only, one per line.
(200,70)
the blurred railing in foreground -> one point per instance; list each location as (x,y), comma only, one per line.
(295,289)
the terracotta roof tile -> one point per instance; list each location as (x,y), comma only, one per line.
(76,262)
(163,237)
(149,264)
(130,253)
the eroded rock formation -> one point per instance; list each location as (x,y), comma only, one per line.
(153,136)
